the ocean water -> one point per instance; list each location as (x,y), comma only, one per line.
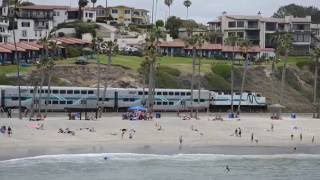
(162,167)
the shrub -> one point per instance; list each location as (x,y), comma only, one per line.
(302,64)
(73,52)
(223,70)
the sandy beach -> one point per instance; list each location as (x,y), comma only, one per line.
(208,137)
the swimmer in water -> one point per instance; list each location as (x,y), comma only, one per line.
(227,168)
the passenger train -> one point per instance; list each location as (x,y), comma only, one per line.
(119,99)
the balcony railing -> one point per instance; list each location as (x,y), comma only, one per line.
(36,16)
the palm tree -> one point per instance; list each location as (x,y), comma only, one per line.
(109,47)
(195,41)
(16,4)
(285,45)
(187,4)
(232,41)
(151,57)
(82,4)
(244,46)
(316,55)
(93,3)
(168,3)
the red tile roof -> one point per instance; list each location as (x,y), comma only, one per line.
(27,46)
(44,7)
(238,49)
(66,41)
(11,47)
(207,46)
(4,50)
(34,44)
(174,43)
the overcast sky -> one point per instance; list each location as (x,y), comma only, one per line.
(201,10)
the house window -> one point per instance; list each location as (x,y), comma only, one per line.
(240,24)
(114,11)
(24,33)
(127,12)
(231,34)
(240,34)
(25,24)
(232,24)
(90,15)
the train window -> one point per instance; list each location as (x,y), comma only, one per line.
(42,91)
(249,94)
(258,95)
(76,92)
(159,93)
(188,93)
(55,102)
(219,93)
(237,93)
(83,92)
(159,103)
(48,102)
(202,100)
(125,99)
(31,91)
(106,99)
(46,91)
(140,93)
(171,103)
(100,99)
(165,93)
(62,102)
(70,92)
(55,91)
(170,93)
(146,93)
(69,102)
(90,92)
(62,91)
(183,93)
(165,103)
(132,99)
(14,98)
(177,94)
(195,100)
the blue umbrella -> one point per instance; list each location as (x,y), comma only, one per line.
(137,108)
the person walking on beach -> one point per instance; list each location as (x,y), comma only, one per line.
(180,140)
(312,140)
(291,136)
(9,131)
(300,136)
(239,132)
(252,137)
(236,132)
(9,113)
(272,127)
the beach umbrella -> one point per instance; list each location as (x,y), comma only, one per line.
(137,108)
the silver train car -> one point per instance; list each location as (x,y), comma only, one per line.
(114,99)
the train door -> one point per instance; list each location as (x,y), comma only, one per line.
(2,95)
(116,103)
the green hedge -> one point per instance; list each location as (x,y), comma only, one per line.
(223,70)
(73,52)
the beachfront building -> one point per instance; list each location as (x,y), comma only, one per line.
(128,15)
(35,22)
(260,30)
(178,47)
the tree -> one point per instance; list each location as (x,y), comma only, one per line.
(159,23)
(316,56)
(187,4)
(298,11)
(168,3)
(173,24)
(232,41)
(81,5)
(110,49)
(151,57)
(284,45)
(195,41)
(214,37)
(27,3)
(245,47)
(93,3)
